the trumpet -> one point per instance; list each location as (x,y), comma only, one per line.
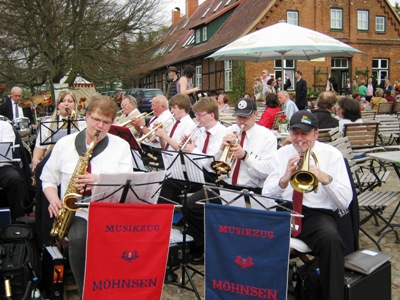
(189,137)
(224,165)
(303,180)
(154,129)
(141,116)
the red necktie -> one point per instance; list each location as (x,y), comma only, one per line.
(298,208)
(237,166)
(172,132)
(206,142)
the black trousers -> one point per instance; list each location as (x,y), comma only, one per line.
(320,233)
(194,213)
(15,190)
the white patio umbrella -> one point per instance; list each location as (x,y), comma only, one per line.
(283,41)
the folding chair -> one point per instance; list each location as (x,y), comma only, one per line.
(384,108)
(368,115)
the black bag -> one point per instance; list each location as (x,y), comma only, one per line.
(308,286)
(19,260)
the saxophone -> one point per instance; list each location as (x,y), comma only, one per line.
(62,222)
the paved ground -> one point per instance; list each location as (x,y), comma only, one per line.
(387,243)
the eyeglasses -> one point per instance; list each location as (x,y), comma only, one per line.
(279,79)
(97,120)
(200,115)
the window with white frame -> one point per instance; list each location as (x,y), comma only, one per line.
(198,36)
(336,18)
(362,19)
(228,75)
(380,24)
(380,68)
(289,66)
(339,63)
(292,17)
(204,33)
(199,76)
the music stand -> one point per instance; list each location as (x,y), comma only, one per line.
(6,152)
(186,167)
(66,127)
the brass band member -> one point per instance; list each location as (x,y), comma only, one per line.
(319,225)
(161,115)
(110,155)
(252,154)
(170,138)
(130,110)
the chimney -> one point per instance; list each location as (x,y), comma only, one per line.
(176,15)
(191,6)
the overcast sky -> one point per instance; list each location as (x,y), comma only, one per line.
(171,4)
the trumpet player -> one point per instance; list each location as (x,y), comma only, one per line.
(111,154)
(318,228)
(129,111)
(170,138)
(253,148)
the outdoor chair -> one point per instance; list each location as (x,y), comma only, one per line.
(385,108)
(389,133)
(368,115)
(396,108)
(363,137)
(326,134)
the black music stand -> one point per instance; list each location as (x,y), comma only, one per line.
(6,152)
(64,127)
(185,167)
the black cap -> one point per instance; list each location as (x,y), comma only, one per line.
(172,69)
(304,120)
(245,107)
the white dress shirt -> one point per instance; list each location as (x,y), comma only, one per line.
(289,108)
(115,158)
(185,127)
(167,119)
(336,195)
(260,144)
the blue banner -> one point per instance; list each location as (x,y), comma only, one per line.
(247,253)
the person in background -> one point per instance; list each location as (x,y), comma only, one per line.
(258,89)
(390,98)
(377,99)
(325,106)
(370,89)
(271,109)
(247,96)
(362,89)
(318,227)
(387,85)
(287,105)
(270,87)
(184,84)
(301,91)
(174,77)
(130,110)
(363,103)
(348,110)
(223,106)
(264,77)
(286,85)
(11,109)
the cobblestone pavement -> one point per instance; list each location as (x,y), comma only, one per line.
(387,244)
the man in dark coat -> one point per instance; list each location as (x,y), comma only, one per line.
(301,91)
(325,105)
(11,109)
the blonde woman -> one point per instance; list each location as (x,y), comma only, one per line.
(65,104)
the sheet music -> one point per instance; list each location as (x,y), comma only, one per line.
(137,161)
(230,196)
(190,170)
(145,187)
(48,136)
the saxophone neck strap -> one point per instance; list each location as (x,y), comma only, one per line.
(80,144)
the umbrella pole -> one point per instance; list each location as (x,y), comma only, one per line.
(282,77)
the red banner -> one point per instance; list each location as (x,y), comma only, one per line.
(127,250)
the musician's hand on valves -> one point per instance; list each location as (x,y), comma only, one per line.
(322,177)
(228,140)
(237,151)
(84,180)
(291,168)
(137,122)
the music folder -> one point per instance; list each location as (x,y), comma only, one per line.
(366,261)
(52,283)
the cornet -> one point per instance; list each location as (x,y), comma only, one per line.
(154,129)
(303,180)
(189,137)
(141,116)
(224,165)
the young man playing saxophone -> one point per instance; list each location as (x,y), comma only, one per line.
(111,154)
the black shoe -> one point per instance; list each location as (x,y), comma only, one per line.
(197,260)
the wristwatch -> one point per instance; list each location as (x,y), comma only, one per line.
(141,127)
(330,179)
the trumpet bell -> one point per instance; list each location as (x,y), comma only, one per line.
(221,167)
(304,182)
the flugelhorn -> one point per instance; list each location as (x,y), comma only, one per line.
(303,180)
(141,116)
(188,138)
(224,165)
(154,129)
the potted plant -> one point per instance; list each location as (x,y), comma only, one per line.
(283,124)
